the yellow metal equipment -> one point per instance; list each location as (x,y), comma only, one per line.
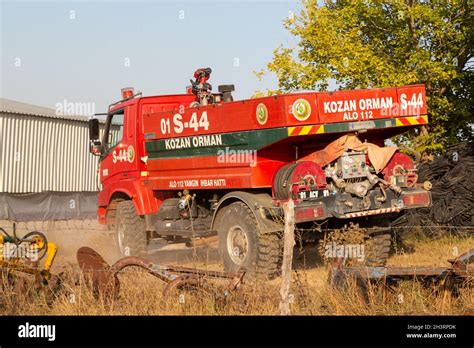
(24,254)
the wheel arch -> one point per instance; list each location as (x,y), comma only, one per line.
(116,197)
(255,201)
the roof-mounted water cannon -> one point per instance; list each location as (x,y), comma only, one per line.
(200,87)
(200,83)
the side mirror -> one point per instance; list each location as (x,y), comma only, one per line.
(95,148)
(94,143)
(93,129)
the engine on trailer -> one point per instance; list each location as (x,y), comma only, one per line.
(359,187)
(350,185)
(352,174)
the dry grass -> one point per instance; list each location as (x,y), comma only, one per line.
(141,293)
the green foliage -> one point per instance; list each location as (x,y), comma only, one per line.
(386,43)
(268,92)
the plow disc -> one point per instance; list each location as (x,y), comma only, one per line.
(97,271)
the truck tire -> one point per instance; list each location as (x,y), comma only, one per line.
(243,246)
(376,244)
(130,231)
(377,249)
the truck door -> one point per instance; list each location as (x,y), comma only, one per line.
(119,160)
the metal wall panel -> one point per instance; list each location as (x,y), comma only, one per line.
(45,154)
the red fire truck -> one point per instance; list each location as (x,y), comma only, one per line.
(184,167)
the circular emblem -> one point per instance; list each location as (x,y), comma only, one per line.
(262,114)
(130,153)
(301,109)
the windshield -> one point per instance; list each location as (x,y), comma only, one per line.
(114,129)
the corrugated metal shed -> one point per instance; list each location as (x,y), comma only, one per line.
(41,151)
(15,107)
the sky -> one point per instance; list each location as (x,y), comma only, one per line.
(86,51)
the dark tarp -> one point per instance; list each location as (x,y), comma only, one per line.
(48,206)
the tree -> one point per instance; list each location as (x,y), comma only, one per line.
(385,43)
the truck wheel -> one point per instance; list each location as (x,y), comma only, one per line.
(377,250)
(130,233)
(376,245)
(243,246)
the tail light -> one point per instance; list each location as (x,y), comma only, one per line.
(309,213)
(416,199)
